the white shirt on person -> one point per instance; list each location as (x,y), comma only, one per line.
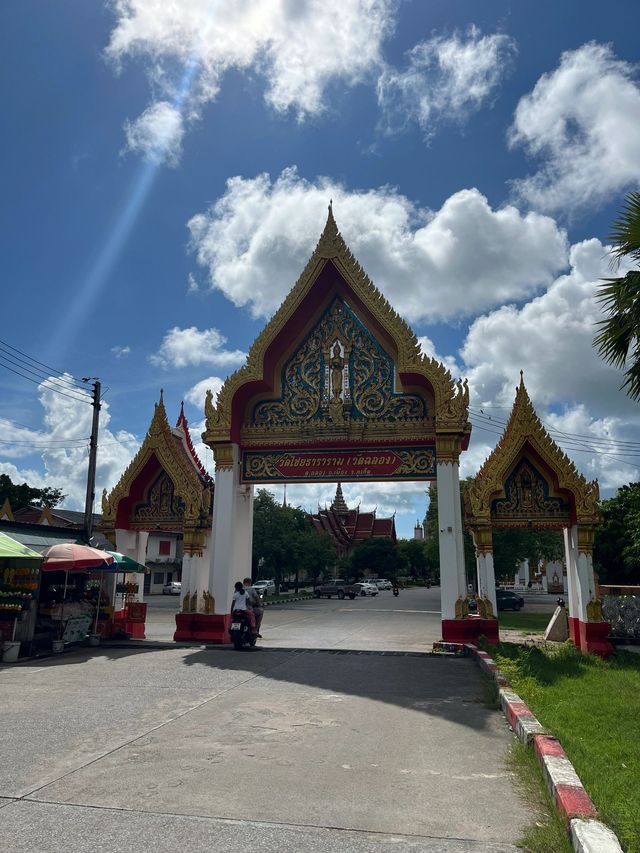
(240,601)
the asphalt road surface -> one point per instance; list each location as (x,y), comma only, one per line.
(338,734)
(409,622)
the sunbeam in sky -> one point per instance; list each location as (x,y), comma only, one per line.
(88,290)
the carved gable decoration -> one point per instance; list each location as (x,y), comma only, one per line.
(164,483)
(527,477)
(338,374)
(336,362)
(161,506)
(528,500)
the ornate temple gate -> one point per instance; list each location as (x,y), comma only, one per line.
(529,482)
(335,388)
(165,489)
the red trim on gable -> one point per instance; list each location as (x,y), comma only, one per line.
(328,284)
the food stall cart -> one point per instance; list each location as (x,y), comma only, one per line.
(19,575)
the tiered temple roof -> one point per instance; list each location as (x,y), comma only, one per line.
(348,527)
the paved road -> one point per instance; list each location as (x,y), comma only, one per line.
(409,622)
(275,749)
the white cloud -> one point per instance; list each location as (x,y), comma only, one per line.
(192,286)
(196,395)
(157,133)
(66,427)
(121,352)
(447,79)
(182,347)
(297,48)
(464,258)
(571,387)
(581,121)
(428,348)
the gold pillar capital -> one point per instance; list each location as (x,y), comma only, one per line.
(586,536)
(482,539)
(223,455)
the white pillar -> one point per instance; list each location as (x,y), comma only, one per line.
(487,579)
(573,582)
(232,531)
(452,581)
(133,543)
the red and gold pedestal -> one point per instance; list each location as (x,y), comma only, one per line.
(591,637)
(470,630)
(202,628)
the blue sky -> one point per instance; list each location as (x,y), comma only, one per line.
(166,170)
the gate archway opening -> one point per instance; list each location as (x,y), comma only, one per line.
(335,389)
(528,481)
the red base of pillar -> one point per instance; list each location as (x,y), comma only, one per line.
(591,637)
(470,630)
(202,628)
(574,631)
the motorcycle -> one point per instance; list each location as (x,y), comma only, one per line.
(396,591)
(240,630)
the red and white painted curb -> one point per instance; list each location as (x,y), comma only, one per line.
(588,834)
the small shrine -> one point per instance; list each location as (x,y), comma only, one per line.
(527,481)
(165,494)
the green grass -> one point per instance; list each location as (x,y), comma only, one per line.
(593,707)
(528,623)
(547,833)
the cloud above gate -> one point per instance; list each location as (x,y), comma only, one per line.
(464,258)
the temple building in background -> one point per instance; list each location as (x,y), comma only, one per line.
(348,527)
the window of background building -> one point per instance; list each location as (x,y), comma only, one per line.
(158,577)
(164,548)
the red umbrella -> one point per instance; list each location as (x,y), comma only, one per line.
(70,557)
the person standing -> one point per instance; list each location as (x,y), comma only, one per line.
(255,603)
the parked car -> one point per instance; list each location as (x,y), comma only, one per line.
(265,587)
(337,587)
(507,600)
(382,583)
(367,588)
(172,588)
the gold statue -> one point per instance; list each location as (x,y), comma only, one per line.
(337,366)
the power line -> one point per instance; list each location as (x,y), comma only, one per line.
(576,448)
(44,383)
(607,442)
(47,367)
(40,375)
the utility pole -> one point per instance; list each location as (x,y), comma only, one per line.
(93,452)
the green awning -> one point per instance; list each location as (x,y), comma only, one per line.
(11,549)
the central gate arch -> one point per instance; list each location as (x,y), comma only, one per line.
(335,388)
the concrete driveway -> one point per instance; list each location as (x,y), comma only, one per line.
(198,749)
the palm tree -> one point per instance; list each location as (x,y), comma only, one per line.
(618,340)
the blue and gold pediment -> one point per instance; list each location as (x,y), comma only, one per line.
(528,499)
(338,377)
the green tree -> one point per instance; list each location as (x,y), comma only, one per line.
(512,545)
(285,544)
(414,553)
(21,495)
(616,553)
(378,556)
(618,340)
(315,554)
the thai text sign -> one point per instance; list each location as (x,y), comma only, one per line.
(398,463)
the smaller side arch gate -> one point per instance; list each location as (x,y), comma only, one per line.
(528,481)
